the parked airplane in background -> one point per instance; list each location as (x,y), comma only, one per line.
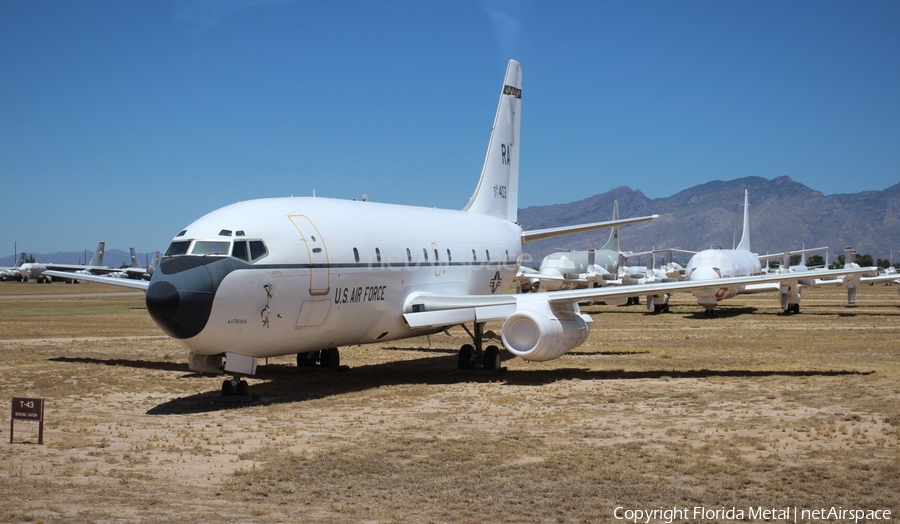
(714,264)
(135,271)
(12,273)
(880,276)
(575,269)
(305,275)
(39,270)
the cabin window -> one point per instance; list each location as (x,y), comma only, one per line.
(179,247)
(437,259)
(449,256)
(507,255)
(257,250)
(239,251)
(356,254)
(408,255)
(487,255)
(474,256)
(378,255)
(425,254)
(225,233)
(239,233)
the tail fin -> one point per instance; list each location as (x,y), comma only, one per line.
(21,259)
(97,259)
(153,264)
(134,258)
(744,244)
(497,193)
(613,243)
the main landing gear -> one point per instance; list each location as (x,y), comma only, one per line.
(326,358)
(792,308)
(472,356)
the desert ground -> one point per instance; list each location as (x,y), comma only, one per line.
(751,409)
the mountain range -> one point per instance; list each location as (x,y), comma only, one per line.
(784,215)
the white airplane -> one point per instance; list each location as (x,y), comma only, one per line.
(304,275)
(879,276)
(10,273)
(135,271)
(714,264)
(572,269)
(65,272)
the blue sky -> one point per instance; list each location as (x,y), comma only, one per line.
(125,121)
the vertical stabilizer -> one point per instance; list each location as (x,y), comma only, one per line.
(613,243)
(497,193)
(97,259)
(744,244)
(134,258)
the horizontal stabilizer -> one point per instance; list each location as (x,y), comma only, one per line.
(540,234)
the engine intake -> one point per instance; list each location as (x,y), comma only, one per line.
(539,336)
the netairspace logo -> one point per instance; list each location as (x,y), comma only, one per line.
(723,514)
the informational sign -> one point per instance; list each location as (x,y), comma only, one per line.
(27,409)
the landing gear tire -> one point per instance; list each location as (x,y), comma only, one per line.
(331,358)
(307,360)
(491,359)
(466,352)
(234,387)
(326,358)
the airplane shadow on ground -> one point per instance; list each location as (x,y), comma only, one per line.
(281,383)
(727,312)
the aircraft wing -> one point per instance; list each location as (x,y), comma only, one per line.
(632,254)
(540,234)
(122,282)
(426,310)
(777,256)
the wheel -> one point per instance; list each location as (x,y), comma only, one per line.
(307,360)
(226,388)
(465,356)
(331,358)
(491,359)
(242,388)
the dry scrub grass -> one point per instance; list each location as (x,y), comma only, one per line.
(752,408)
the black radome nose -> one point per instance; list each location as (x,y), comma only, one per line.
(162,300)
(181,314)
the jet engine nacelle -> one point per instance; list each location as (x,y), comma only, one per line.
(540,336)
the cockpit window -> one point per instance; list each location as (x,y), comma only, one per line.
(257,249)
(179,247)
(240,251)
(246,250)
(211,247)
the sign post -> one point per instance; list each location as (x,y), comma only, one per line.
(27,409)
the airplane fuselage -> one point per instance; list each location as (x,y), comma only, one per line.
(721,263)
(289,275)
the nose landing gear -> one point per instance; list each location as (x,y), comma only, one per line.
(234,387)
